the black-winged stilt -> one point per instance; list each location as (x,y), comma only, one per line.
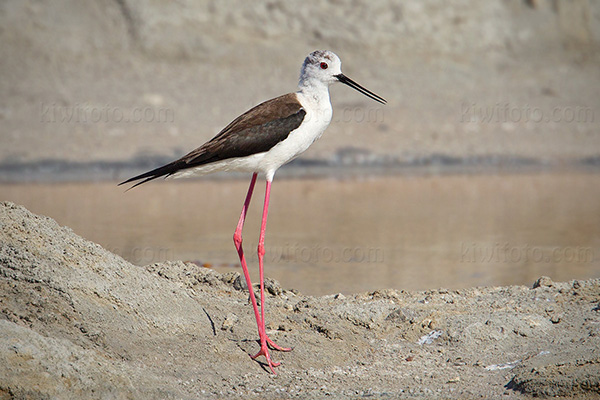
(260,141)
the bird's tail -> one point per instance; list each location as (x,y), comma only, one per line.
(165,171)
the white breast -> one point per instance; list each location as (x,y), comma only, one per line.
(317,119)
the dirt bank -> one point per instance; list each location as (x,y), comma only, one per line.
(80,322)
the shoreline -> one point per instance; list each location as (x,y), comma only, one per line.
(53,171)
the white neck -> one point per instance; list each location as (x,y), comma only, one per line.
(314,89)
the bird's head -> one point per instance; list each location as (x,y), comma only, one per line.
(325,66)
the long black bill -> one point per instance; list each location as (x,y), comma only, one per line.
(347,81)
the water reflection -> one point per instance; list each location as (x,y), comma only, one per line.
(328,236)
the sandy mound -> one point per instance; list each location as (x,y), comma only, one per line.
(80,322)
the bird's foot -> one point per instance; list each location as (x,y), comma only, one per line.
(275,346)
(264,351)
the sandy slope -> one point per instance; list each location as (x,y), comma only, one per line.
(80,322)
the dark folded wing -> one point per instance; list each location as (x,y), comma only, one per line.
(255,131)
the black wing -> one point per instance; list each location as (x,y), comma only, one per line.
(255,131)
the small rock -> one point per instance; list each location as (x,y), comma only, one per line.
(544,281)
(429,338)
(229,322)
(239,283)
(272,286)
(208,276)
(401,315)
(230,277)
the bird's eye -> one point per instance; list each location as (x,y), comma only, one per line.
(324,65)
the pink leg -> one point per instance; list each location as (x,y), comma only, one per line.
(264,339)
(237,239)
(261,255)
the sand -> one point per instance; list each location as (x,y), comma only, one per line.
(80,322)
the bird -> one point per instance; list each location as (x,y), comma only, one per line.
(259,142)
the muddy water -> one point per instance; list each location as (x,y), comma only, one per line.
(328,236)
